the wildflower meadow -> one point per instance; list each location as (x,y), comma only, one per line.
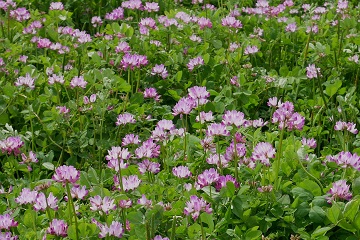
(179,119)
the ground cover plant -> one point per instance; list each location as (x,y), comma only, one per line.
(179,119)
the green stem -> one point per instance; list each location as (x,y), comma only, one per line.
(72,208)
(236,161)
(203,236)
(312,176)
(277,160)
(173,228)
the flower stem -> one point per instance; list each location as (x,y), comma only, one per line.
(277,160)
(72,206)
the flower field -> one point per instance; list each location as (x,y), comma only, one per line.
(192,119)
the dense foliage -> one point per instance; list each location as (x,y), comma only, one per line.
(179,119)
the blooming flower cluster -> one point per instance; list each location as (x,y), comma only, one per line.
(231,22)
(11,145)
(159,70)
(194,62)
(124,119)
(345,160)
(115,229)
(195,206)
(312,71)
(287,118)
(349,126)
(58,227)
(105,205)
(66,174)
(339,190)
(263,151)
(26,81)
(132,61)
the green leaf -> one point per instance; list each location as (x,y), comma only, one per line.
(333,213)
(237,207)
(92,176)
(356,221)
(208,219)
(206,58)
(174,95)
(347,226)
(320,232)
(194,231)
(331,89)
(253,234)
(49,166)
(356,186)
(302,194)
(351,209)
(317,214)
(136,218)
(29,217)
(311,186)
(217,44)
(178,76)
(284,71)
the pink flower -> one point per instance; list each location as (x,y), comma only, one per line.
(159,70)
(11,145)
(124,119)
(56,6)
(184,106)
(217,129)
(195,62)
(312,71)
(205,117)
(204,22)
(122,47)
(231,22)
(26,196)
(66,174)
(339,190)
(41,202)
(199,95)
(221,182)
(181,172)
(106,204)
(148,149)
(345,160)
(144,201)
(79,192)
(311,143)
(291,27)
(208,177)
(262,152)
(20,14)
(151,7)
(25,81)
(251,50)
(58,227)
(96,21)
(130,182)
(6,222)
(195,205)
(130,139)
(115,229)
(148,166)
(78,82)
(131,61)
(116,14)
(234,117)
(219,161)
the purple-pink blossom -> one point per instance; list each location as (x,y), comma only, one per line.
(195,205)
(263,151)
(58,227)
(66,174)
(339,190)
